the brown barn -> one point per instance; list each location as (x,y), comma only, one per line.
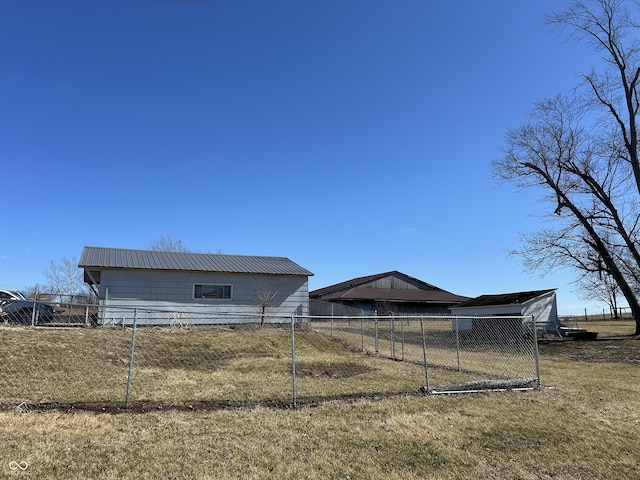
(389,293)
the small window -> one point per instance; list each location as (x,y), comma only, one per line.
(211,291)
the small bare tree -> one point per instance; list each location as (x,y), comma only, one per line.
(35,291)
(265,295)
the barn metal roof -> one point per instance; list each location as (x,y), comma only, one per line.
(359,281)
(118,258)
(356,290)
(396,295)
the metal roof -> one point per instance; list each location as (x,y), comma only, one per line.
(396,295)
(118,258)
(356,282)
(516,298)
(356,290)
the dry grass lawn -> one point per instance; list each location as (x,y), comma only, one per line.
(583,424)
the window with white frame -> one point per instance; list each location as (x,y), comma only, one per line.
(211,291)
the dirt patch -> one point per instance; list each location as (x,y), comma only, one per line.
(613,349)
(331,370)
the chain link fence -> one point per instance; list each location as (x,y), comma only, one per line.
(244,361)
(27,311)
(458,354)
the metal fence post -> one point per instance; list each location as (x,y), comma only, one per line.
(131,352)
(457,341)
(35,309)
(535,348)
(402,333)
(393,343)
(376,332)
(362,331)
(293,361)
(424,356)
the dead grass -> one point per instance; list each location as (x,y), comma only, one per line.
(607,327)
(584,423)
(88,368)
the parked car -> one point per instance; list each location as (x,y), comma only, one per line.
(16,308)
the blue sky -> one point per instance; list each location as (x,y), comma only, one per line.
(352,136)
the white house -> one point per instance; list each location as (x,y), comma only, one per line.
(541,304)
(197,288)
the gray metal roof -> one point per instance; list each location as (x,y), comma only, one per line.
(516,298)
(118,258)
(396,295)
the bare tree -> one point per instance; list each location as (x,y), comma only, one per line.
(65,280)
(36,291)
(384,308)
(265,295)
(588,189)
(601,287)
(611,28)
(581,151)
(168,244)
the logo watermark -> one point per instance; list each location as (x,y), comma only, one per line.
(18,466)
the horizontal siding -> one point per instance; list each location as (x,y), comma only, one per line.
(172,291)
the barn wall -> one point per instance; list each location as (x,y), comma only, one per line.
(173,291)
(390,281)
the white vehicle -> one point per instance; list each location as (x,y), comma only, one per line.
(10,295)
